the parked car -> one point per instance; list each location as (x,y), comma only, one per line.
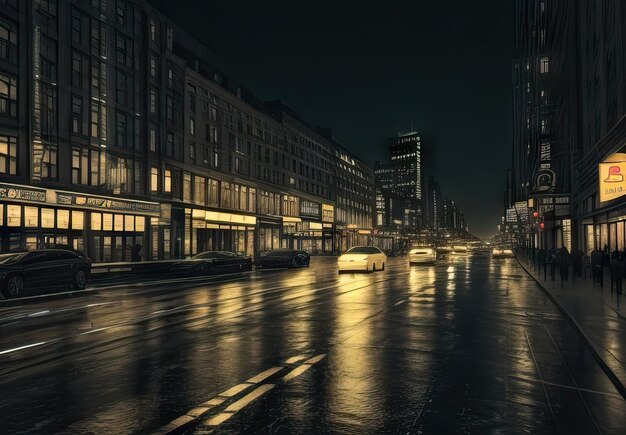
(362,258)
(23,272)
(422,255)
(280,258)
(219,262)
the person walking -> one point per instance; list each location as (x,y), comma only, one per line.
(577,264)
(135,252)
(617,271)
(564,263)
(596,267)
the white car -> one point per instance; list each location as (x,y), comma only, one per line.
(422,255)
(502,253)
(362,258)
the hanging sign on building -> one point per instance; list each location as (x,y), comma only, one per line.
(522,211)
(20,193)
(612,180)
(511,215)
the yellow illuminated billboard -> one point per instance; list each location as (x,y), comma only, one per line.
(612,178)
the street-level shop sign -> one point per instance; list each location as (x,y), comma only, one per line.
(19,193)
(612,180)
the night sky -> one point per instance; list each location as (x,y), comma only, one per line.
(369,68)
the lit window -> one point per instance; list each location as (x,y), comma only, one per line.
(544,66)
(14,215)
(8,155)
(154,179)
(107,222)
(129,223)
(31,217)
(118,222)
(140,223)
(78,220)
(168,181)
(153,31)
(96,221)
(63,219)
(47,218)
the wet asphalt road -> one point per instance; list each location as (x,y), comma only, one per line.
(470,345)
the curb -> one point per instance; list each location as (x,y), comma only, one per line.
(621,388)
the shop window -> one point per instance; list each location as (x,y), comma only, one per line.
(118,222)
(106,249)
(199,190)
(187,187)
(1,215)
(107,222)
(47,218)
(129,223)
(31,243)
(140,224)
(63,219)
(96,221)
(620,236)
(78,220)
(31,217)
(166,243)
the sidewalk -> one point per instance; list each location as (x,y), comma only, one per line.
(598,314)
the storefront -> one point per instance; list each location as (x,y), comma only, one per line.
(207,230)
(105,228)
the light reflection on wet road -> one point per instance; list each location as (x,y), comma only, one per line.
(468,345)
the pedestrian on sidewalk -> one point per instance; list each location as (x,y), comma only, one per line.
(563,258)
(596,267)
(552,259)
(135,252)
(577,264)
(617,271)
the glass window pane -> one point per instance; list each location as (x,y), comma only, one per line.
(140,223)
(31,217)
(129,223)
(14,215)
(1,214)
(78,219)
(63,219)
(47,218)
(119,222)
(107,222)
(96,221)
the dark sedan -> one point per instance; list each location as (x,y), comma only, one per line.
(23,272)
(219,262)
(283,258)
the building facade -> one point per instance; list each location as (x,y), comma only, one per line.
(545,116)
(117,129)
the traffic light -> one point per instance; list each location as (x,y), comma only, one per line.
(542,226)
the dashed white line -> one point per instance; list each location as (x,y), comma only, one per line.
(249,398)
(263,376)
(296,372)
(15,349)
(295,359)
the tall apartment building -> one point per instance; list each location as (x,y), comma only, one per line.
(118,128)
(545,113)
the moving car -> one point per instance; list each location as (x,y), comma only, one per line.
(280,258)
(23,272)
(219,262)
(502,252)
(459,249)
(422,255)
(362,258)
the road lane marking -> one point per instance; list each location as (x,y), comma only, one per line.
(15,349)
(214,401)
(296,372)
(218,419)
(95,330)
(39,313)
(315,359)
(235,390)
(249,398)
(295,359)
(399,303)
(197,412)
(264,375)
